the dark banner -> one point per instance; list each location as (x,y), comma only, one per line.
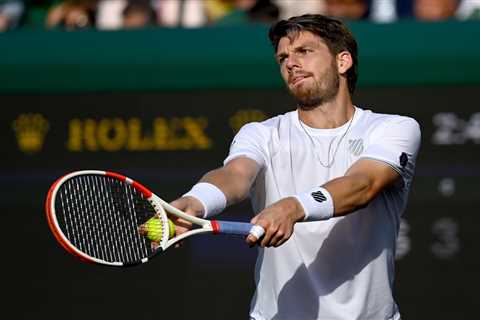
(167,141)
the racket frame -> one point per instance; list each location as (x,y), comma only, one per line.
(160,206)
(55,226)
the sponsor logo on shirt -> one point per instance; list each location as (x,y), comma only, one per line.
(319,196)
(355,146)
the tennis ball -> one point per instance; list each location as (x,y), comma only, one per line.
(153,228)
(171,229)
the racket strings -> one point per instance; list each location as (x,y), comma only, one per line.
(130,222)
(106,231)
(100,216)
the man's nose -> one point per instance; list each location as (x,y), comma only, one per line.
(292,62)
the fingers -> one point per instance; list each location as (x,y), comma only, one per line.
(255,238)
(278,221)
(273,236)
(189,205)
(251,240)
(256,233)
(279,238)
(181,224)
(269,236)
(277,227)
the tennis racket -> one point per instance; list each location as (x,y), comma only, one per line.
(106,218)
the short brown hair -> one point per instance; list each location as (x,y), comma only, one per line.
(334,32)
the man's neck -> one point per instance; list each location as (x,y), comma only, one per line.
(331,114)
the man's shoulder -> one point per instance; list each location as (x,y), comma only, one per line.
(382,126)
(376,119)
(275,120)
(268,125)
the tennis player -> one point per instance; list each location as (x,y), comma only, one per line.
(329,182)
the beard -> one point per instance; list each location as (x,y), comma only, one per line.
(312,96)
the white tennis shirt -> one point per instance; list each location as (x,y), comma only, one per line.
(342,268)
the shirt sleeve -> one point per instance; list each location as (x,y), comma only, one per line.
(251,142)
(396,142)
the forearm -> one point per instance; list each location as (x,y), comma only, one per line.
(234,179)
(233,184)
(360,185)
(350,193)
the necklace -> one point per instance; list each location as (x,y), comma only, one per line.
(329,163)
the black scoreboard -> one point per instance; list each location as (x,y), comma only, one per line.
(168,140)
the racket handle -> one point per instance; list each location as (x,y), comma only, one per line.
(232,228)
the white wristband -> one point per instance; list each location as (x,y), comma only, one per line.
(211,197)
(317,204)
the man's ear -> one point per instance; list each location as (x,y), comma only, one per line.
(344,61)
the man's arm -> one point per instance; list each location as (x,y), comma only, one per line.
(361,184)
(234,180)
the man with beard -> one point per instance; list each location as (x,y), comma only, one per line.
(329,182)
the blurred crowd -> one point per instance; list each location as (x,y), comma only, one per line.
(128,14)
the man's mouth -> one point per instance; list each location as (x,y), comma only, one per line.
(296,79)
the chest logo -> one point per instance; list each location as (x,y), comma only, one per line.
(355,146)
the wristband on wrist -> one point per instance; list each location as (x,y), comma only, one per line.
(317,204)
(211,197)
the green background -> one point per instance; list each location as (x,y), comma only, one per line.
(403,53)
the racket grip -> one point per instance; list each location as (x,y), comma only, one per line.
(232,228)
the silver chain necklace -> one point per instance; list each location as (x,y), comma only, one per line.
(328,164)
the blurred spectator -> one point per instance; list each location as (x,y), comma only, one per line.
(468,9)
(260,11)
(347,9)
(423,10)
(290,8)
(383,11)
(72,15)
(184,13)
(117,14)
(245,11)
(434,10)
(10,14)
(218,9)
(109,15)
(138,14)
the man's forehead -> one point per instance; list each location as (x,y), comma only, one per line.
(298,39)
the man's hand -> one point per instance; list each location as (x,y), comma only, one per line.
(278,221)
(189,205)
